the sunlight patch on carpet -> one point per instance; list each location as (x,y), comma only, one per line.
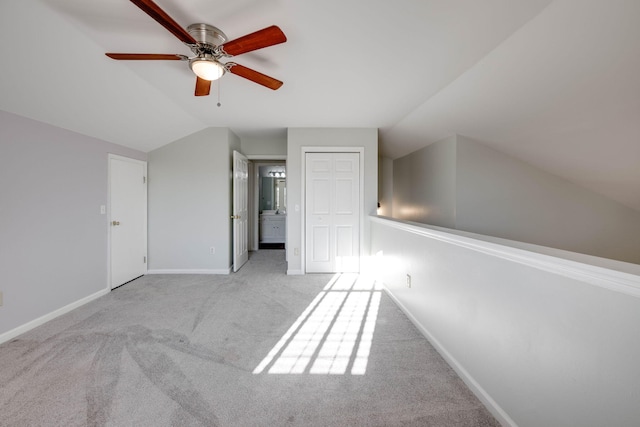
(333,335)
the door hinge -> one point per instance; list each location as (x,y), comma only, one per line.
(144,179)
(145,259)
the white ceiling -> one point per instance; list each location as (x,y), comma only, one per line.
(555,83)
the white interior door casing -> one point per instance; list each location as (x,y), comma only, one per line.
(240,210)
(127,219)
(332,212)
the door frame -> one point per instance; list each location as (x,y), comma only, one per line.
(109,219)
(303,200)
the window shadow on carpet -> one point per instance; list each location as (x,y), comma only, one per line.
(333,335)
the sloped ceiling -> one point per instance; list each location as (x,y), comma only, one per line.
(555,83)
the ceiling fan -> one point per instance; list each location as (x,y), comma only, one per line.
(209,46)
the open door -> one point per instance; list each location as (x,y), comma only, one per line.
(240,210)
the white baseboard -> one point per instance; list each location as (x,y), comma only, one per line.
(190,271)
(502,417)
(295,273)
(47,317)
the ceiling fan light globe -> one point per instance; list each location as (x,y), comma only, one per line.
(207,69)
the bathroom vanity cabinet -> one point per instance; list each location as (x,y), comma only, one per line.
(273,228)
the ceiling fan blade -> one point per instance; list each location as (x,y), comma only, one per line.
(202,87)
(154,11)
(254,76)
(146,56)
(260,39)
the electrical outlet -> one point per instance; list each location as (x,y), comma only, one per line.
(296,251)
(408,281)
(212,250)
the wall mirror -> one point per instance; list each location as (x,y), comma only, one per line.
(273,189)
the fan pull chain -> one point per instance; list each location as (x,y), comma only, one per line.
(218,83)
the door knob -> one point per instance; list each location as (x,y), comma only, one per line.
(114,223)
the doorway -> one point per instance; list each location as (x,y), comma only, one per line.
(272,208)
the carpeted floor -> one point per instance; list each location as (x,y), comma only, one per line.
(233,351)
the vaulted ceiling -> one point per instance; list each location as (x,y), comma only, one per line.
(554,83)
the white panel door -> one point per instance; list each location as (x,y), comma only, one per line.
(128,219)
(240,210)
(332,212)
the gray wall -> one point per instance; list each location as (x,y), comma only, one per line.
(53,238)
(461,183)
(424,185)
(270,145)
(501,196)
(189,203)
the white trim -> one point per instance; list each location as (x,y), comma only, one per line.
(190,271)
(303,168)
(295,273)
(47,317)
(473,385)
(266,156)
(146,213)
(613,280)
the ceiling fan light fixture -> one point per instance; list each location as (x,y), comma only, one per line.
(207,68)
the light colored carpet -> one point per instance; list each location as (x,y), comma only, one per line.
(181,350)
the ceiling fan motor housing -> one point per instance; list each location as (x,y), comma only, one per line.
(207,34)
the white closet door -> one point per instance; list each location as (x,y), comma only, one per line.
(332,212)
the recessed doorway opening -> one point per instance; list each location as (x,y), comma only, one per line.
(272,208)
(267,203)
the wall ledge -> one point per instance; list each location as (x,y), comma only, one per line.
(624,282)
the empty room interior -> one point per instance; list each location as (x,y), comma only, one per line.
(305,213)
